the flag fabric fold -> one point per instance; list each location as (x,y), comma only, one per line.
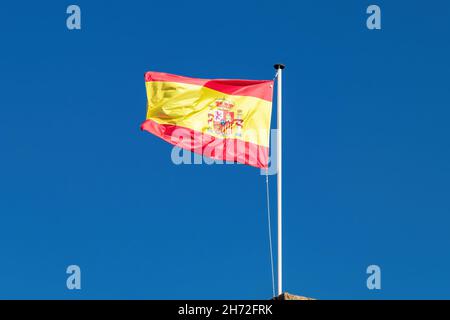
(222,119)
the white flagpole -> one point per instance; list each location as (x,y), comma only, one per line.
(279,67)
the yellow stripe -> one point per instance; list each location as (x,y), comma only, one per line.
(188,105)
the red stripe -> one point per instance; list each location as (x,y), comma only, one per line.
(221,149)
(253,88)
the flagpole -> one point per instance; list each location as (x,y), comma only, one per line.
(279,67)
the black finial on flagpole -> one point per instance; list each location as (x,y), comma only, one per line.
(279,66)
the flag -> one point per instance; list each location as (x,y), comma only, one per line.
(222,119)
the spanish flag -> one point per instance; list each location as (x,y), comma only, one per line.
(222,119)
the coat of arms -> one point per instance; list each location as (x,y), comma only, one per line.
(224,120)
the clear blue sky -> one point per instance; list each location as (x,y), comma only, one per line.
(366,151)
